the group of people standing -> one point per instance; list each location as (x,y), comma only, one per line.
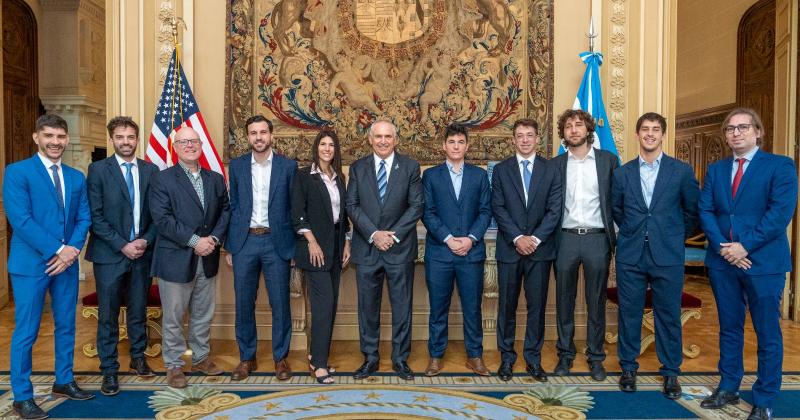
(577,209)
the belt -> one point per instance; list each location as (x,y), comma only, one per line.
(584,231)
(259,230)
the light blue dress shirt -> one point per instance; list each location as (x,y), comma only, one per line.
(648,172)
(748,157)
(455,177)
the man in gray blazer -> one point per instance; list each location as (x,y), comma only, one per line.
(384,201)
(586,237)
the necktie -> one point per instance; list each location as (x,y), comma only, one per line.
(131,193)
(526,176)
(382,180)
(737,179)
(57,183)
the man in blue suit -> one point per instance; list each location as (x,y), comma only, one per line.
(747,203)
(48,209)
(654,203)
(457,213)
(260,239)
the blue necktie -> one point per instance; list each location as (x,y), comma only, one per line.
(382,180)
(57,184)
(131,193)
(526,176)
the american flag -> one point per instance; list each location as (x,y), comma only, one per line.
(177,108)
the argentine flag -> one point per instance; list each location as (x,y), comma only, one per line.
(590,99)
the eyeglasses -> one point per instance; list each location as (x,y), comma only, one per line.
(743,128)
(186,142)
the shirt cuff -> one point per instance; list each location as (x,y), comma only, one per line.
(447,238)
(216,240)
(193,241)
(536,240)
(370,237)
(302,231)
(59,249)
(349,235)
(474,239)
(516,239)
(395,239)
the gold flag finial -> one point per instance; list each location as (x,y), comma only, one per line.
(167,16)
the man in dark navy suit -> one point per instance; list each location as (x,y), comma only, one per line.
(747,202)
(654,200)
(121,248)
(526,203)
(457,213)
(261,239)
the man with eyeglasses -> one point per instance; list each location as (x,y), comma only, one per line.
(747,202)
(526,203)
(189,206)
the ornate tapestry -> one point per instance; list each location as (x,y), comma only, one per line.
(422,64)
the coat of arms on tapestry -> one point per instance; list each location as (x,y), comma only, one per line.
(422,64)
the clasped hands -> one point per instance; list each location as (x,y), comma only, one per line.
(62,260)
(735,254)
(135,248)
(526,245)
(205,246)
(460,246)
(383,239)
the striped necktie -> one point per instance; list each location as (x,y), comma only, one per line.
(382,178)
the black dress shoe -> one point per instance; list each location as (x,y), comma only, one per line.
(671,388)
(563,366)
(597,371)
(719,399)
(110,385)
(367,369)
(71,391)
(760,413)
(403,371)
(29,410)
(506,371)
(140,368)
(627,382)
(536,372)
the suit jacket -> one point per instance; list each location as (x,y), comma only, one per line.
(40,225)
(606,162)
(311,209)
(399,212)
(178,214)
(112,212)
(444,215)
(279,212)
(759,215)
(670,219)
(539,216)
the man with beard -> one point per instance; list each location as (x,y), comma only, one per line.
(120,246)
(586,238)
(261,239)
(46,205)
(654,200)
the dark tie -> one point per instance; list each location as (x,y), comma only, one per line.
(57,183)
(737,179)
(131,193)
(526,175)
(382,180)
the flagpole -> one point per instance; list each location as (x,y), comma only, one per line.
(591,34)
(174,22)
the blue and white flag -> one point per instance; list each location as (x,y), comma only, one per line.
(590,99)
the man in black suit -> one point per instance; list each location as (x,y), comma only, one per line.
(384,201)
(189,205)
(121,248)
(526,203)
(586,238)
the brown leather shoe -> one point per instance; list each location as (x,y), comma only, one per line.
(282,370)
(176,378)
(434,367)
(207,367)
(477,366)
(243,370)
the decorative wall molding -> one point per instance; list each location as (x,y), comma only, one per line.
(618,45)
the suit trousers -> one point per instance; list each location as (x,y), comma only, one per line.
(198,297)
(258,254)
(593,252)
(535,276)
(667,285)
(323,296)
(400,279)
(126,283)
(735,291)
(440,277)
(29,296)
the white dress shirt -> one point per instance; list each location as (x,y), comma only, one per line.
(582,199)
(47,164)
(520,167)
(261,173)
(389,161)
(137,203)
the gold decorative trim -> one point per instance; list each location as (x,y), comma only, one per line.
(166,12)
(618,46)
(205,407)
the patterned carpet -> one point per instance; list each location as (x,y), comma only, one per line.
(384,396)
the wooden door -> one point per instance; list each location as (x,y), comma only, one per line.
(755,67)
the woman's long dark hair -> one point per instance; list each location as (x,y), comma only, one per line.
(336,164)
